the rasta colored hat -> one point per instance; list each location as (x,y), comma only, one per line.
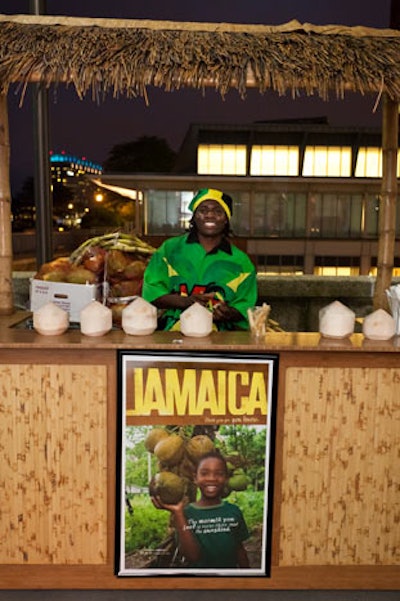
(209,194)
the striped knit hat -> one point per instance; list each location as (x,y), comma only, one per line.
(209,194)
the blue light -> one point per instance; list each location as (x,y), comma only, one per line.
(68,158)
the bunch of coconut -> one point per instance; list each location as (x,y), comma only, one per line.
(177,458)
(115,261)
(64,271)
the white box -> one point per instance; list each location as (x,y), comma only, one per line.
(70,297)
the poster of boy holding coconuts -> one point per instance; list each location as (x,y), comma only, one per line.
(210,530)
(195,493)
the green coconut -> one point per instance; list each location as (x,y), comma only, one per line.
(169,451)
(198,446)
(168,486)
(238,482)
(153,437)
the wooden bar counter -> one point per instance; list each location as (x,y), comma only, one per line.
(336,510)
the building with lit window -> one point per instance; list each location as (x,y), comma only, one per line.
(71,188)
(306,194)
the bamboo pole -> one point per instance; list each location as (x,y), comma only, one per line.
(387,208)
(6,293)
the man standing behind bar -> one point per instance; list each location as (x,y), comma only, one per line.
(203,266)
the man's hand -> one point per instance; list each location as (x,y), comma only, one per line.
(223,312)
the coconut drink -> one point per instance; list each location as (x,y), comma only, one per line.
(139,318)
(379,325)
(336,320)
(196,320)
(96,319)
(50,320)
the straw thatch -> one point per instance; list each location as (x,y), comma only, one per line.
(99,56)
(124,57)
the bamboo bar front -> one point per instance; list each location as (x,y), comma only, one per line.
(336,511)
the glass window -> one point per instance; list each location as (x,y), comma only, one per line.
(221,159)
(274,160)
(369,162)
(296,214)
(356,215)
(330,215)
(240,222)
(279,214)
(167,211)
(371,215)
(280,264)
(337,266)
(327,161)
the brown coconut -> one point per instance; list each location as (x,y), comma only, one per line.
(198,446)
(153,437)
(169,451)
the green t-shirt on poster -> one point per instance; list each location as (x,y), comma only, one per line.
(219,529)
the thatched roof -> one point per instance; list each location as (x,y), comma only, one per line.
(99,56)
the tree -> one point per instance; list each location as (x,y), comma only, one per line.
(23,206)
(147,154)
(101,216)
(249,445)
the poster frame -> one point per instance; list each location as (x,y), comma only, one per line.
(269,361)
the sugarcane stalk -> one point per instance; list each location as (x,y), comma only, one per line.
(112,241)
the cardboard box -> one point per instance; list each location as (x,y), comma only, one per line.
(70,297)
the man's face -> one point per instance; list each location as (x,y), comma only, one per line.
(210,218)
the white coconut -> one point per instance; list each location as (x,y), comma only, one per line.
(95,319)
(336,320)
(50,320)
(196,320)
(139,318)
(379,325)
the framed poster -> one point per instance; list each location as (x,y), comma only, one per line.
(195,459)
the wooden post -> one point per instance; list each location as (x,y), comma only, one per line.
(387,207)
(6,291)
(43,195)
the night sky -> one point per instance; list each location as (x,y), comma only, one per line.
(83,128)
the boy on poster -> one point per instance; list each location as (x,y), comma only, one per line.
(210,530)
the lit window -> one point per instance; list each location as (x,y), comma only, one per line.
(327,161)
(274,160)
(336,271)
(369,162)
(221,159)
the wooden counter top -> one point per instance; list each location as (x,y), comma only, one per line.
(14,335)
(334,520)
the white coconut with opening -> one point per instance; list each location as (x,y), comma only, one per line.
(139,318)
(336,320)
(50,320)
(196,320)
(95,319)
(379,325)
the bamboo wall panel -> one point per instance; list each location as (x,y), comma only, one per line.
(340,488)
(53,477)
